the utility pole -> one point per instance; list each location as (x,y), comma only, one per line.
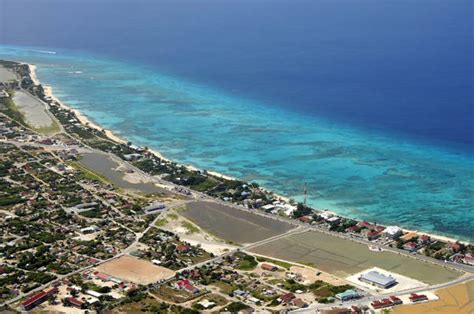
(305,193)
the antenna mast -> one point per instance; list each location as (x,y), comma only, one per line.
(305,193)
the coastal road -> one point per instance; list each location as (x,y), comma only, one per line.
(201,196)
(296,223)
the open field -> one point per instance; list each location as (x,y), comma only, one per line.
(169,294)
(34,111)
(189,232)
(6,75)
(135,270)
(117,175)
(457,299)
(343,257)
(232,224)
(142,306)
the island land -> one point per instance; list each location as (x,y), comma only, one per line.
(91,222)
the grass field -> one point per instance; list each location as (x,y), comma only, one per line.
(225,287)
(344,257)
(274,262)
(457,299)
(233,224)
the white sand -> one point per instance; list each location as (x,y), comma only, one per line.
(33,76)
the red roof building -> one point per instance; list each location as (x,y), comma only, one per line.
(287,297)
(410,246)
(183,248)
(469,260)
(181,283)
(37,299)
(372,235)
(424,239)
(75,302)
(306,219)
(364,224)
(268,267)
(102,276)
(380,304)
(186,285)
(454,246)
(379,228)
(395,300)
(417,297)
(299,303)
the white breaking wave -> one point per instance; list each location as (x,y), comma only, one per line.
(45,51)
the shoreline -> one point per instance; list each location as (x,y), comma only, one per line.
(48,90)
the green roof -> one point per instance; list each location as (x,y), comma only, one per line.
(347,294)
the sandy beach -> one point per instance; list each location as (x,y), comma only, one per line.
(33,76)
(48,90)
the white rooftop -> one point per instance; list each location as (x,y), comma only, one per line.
(378,278)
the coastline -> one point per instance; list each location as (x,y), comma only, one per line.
(48,90)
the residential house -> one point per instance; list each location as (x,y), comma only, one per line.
(468,260)
(417,297)
(298,302)
(424,239)
(410,246)
(287,297)
(373,235)
(185,284)
(269,267)
(454,246)
(75,303)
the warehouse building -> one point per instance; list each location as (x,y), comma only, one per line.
(377,279)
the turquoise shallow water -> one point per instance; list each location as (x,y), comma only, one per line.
(355,172)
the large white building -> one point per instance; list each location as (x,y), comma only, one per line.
(393,232)
(377,279)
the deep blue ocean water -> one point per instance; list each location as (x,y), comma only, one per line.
(369,102)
